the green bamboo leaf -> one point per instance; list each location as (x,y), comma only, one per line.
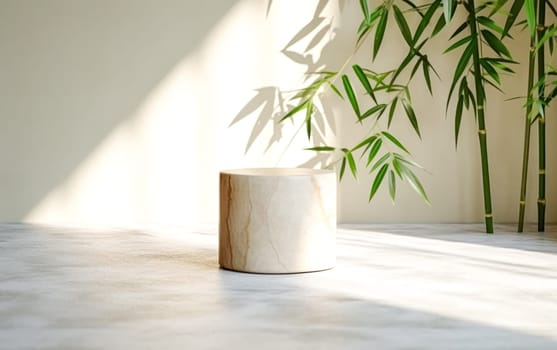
(459,30)
(375,15)
(499,63)
(316,84)
(392,185)
(380,31)
(448,9)
(342,168)
(406,161)
(413,52)
(309,112)
(395,141)
(379,78)
(549,33)
(392,111)
(515,98)
(351,162)
(365,9)
(489,23)
(439,25)
(426,19)
(415,183)
(482,6)
(380,162)
(295,110)
(335,89)
(426,66)
(303,94)
(326,73)
(351,95)
(465,92)
(551,95)
(458,118)
(523,24)
(373,151)
(458,44)
(533,115)
(380,108)
(551,7)
(492,84)
(365,142)
(363,30)
(495,43)
(511,17)
(490,70)
(416,66)
(430,67)
(321,149)
(538,84)
(411,116)
(364,80)
(461,66)
(407,94)
(498,5)
(365,150)
(501,59)
(308,91)
(530,8)
(391,88)
(540,107)
(377,182)
(413,6)
(397,166)
(402,25)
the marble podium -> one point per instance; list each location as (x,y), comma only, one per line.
(277,220)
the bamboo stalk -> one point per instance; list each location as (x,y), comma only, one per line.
(541,121)
(541,176)
(526,147)
(480,104)
(527,129)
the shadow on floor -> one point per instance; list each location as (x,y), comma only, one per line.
(297,311)
(505,236)
(68,288)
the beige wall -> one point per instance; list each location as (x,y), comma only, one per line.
(118,113)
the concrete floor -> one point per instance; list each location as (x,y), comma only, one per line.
(395,287)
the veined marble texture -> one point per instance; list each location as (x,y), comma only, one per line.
(397,287)
(277,220)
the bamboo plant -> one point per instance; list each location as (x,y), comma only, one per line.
(540,30)
(477,34)
(385,91)
(537,98)
(478,27)
(377,97)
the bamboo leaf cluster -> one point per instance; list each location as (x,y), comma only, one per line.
(376,98)
(478,39)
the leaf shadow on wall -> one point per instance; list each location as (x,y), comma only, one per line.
(271,103)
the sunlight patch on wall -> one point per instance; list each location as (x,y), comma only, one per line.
(161,165)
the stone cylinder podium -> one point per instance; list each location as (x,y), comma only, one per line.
(277,220)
